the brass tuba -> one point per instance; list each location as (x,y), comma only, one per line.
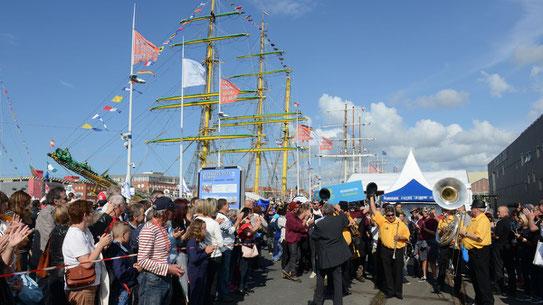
(450,194)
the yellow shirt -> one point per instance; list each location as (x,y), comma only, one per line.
(387,231)
(480,226)
(444,223)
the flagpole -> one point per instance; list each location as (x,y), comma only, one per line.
(309,171)
(129,142)
(220,96)
(181,121)
(297,154)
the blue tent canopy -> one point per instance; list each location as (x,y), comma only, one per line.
(411,192)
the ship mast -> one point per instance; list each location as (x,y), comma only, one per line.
(207,109)
(260,91)
(286,140)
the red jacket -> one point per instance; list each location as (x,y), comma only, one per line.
(294,228)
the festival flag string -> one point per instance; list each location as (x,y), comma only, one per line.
(14,118)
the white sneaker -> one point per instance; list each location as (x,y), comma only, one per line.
(422,279)
(312,275)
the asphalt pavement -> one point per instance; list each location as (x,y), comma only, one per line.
(271,289)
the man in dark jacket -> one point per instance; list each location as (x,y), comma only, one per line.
(332,251)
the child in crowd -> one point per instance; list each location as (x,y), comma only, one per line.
(124,283)
(197,265)
(24,289)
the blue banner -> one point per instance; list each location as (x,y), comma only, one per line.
(221,183)
(349,191)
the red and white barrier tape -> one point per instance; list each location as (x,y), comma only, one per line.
(103,260)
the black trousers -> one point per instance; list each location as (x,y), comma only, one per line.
(213,268)
(334,274)
(346,268)
(392,271)
(479,266)
(379,277)
(446,254)
(504,258)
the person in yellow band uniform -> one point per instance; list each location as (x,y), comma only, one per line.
(476,239)
(393,234)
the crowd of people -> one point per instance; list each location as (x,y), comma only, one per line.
(164,251)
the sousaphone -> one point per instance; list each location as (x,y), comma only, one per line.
(450,194)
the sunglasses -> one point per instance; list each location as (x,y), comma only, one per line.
(389,215)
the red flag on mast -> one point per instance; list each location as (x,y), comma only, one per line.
(143,49)
(229,92)
(326,144)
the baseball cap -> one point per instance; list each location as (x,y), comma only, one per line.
(164,203)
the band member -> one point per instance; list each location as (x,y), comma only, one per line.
(476,239)
(393,235)
(332,251)
(447,252)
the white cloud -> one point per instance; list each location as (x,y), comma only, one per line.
(529,54)
(497,84)
(437,146)
(537,109)
(527,30)
(536,70)
(447,98)
(294,8)
(66,84)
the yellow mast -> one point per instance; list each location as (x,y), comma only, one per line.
(207,109)
(286,140)
(260,91)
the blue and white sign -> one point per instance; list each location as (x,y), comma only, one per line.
(349,191)
(221,183)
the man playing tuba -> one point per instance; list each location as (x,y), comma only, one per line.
(448,249)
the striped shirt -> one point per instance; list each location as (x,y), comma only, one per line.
(153,249)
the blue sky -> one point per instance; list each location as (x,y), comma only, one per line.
(456,81)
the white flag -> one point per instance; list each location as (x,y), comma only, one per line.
(193,73)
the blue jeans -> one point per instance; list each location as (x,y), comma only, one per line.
(277,249)
(224,273)
(155,289)
(119,297)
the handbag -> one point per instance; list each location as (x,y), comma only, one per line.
(249,252)
(538,258)
(44,261)
(79,276)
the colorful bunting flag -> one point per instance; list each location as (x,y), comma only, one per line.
(111,109)
(296,104)
(117,99)
(173,35)
(198,10)
(148,63)
(239,8)
(166,42)
(265,13)
(133,89)
(52,143)
(146,71)
(88,126)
